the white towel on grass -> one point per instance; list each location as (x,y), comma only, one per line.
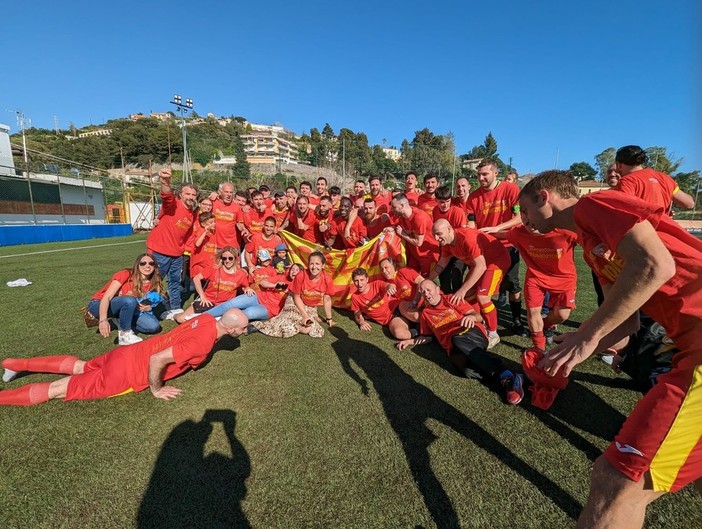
(21,282)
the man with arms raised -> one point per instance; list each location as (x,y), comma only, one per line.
(127,368)
(167,240)
(645,261)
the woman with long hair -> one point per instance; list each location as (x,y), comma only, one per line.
(224,281)
(129,296)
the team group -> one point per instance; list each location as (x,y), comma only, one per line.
(230,247)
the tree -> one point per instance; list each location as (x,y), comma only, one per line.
(659,160)
(688,182)
(604,160)
(582,170)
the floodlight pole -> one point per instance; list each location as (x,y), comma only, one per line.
(183,110)
(21,121)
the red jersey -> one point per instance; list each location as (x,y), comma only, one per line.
(444,320)
(470,243)
(259,242)
(312,291)
(463,204)
(252,219)
(382,202)
(225,215)
(202,257)
(405,282)
(379,224)
(191,341)
(279,216)
(420,223)
(223,286)
(124,278)
(309,220)
(271,298)
(650,186)
(494,206)
(603,219)
(549,257)
(356,233)
(375,303)
(319,221)
(412,197)
(174,227)
(427,203)
(455,216)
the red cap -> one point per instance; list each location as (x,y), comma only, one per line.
(544,388)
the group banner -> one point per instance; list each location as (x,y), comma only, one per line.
(341,263)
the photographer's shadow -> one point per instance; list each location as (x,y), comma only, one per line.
(187,488)
(408,405)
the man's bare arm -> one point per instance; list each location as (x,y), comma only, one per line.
(157,365)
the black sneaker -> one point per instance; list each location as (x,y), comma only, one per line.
(519,330)
(250,329)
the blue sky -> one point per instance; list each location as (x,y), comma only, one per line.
(548,78)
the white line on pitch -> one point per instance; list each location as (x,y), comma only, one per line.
(70,249)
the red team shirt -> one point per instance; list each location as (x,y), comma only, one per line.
(375,303)
(225,215)
(258,242)
(310,220)
(174,227)
(204,256)
(455,216)
(549,257)
(405,283)
(421,223)
(426,203)
(312,292)
(356,233)
(252,219)
(495,206)
(127,368)
(650,186)
(271,298)
(469,244)
(444,320)
(223,286)
(279,216)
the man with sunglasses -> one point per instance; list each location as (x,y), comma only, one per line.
(127,368)
(166,241)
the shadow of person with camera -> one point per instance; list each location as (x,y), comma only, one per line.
(190,489)
(409,405)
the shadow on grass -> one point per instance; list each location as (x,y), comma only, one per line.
(408,405)
(187,488)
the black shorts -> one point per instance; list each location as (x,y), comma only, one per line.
(511,283)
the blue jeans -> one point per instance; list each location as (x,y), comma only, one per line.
(248,304)
(170,268)
(126,310)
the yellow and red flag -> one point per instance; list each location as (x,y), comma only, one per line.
(341,263)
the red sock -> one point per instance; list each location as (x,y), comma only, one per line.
(539,340)
(61,365)
(490,316)
(28,395)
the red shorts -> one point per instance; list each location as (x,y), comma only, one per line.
(534,295)
(104,376)
(663,434)
(489,282)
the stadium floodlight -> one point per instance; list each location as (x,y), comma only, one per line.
(183,110)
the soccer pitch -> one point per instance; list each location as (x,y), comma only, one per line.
(341,431)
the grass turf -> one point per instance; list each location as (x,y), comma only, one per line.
(342,431)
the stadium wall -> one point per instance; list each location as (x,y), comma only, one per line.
(14,235)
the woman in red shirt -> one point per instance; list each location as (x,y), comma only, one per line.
(310,289)
(124,297)
(224,281)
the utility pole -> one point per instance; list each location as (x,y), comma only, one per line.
(21,122)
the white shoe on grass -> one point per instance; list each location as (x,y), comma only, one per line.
(493,340)
(9,375)
(171,314)
(128,338)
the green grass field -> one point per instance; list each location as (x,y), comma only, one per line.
(342,431)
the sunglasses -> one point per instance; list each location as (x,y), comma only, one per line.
(228,258)
(147,263)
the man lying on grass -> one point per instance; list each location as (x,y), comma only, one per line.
(127,368)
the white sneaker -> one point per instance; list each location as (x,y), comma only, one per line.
(128,338)
(493,340)
(171,314)
(607,359)
(9,375)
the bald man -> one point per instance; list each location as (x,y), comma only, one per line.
(135,367)
(487,260)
